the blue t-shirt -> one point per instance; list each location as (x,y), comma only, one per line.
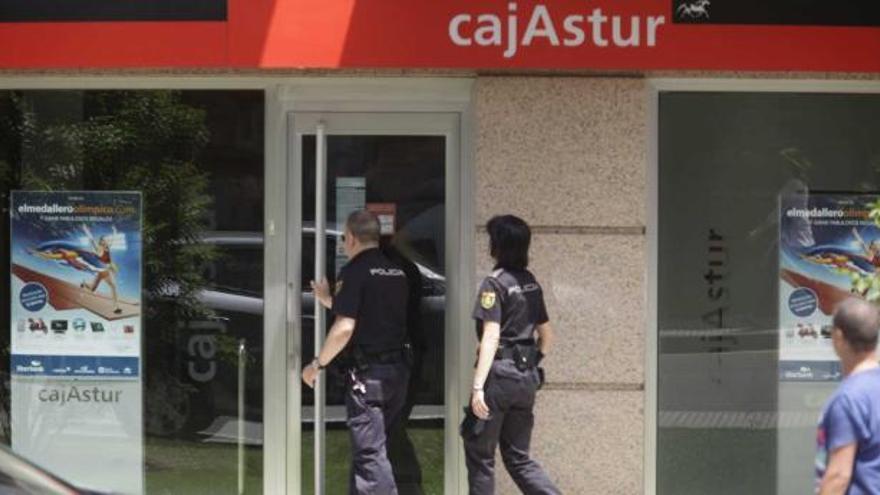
(852,415)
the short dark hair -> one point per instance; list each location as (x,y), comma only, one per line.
(859,321)
(509,239)
(364,226)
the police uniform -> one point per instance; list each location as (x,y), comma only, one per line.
(373,291)
(514,299)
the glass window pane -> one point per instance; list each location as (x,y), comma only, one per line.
(404,177)
(197,159)
(729,420)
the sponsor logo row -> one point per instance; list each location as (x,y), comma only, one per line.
(61,326)
(75,366)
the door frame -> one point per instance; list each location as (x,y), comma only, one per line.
(281,418)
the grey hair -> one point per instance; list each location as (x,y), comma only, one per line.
(859,321)
(364,226)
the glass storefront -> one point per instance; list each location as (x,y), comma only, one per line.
(767,209)
(747,182)
(190,418)
(193,421)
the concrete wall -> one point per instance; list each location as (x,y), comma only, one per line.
(569,156)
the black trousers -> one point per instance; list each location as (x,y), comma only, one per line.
(374,400)
(510,395)
(401,451)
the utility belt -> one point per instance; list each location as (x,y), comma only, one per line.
(524,356)
(361,360)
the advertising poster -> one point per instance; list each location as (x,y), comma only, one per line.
(829,250)
(76,390)
(76,284)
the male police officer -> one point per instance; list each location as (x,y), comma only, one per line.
(370,305)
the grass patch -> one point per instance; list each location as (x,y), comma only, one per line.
(195,468)
(717,461)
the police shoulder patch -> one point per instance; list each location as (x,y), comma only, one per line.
(487,299)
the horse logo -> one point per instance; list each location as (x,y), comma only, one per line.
(696,9)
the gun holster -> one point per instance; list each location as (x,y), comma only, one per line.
(471,426)
(525,357)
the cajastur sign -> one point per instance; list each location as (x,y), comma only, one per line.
(517,28)
(637,35)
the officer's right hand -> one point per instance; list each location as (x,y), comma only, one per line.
(478,404)
(309,374)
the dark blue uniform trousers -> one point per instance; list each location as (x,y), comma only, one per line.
(510,395)
(372,411)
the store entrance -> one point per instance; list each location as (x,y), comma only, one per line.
(395,165)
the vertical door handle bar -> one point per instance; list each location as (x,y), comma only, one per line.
(320,264)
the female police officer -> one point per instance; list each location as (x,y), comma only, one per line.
(509,312)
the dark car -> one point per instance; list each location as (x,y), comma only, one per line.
(19,476)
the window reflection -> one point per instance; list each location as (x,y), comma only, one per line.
(197,157)
(726,423)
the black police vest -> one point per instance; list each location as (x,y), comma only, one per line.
(374,292)
(517,323)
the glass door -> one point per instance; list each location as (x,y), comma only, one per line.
(395,165)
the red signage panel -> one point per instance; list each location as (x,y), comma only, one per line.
(477,34)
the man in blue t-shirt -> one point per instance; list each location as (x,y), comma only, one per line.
(848,441)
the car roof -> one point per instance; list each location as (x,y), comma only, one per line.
(252,238)
(32,476)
